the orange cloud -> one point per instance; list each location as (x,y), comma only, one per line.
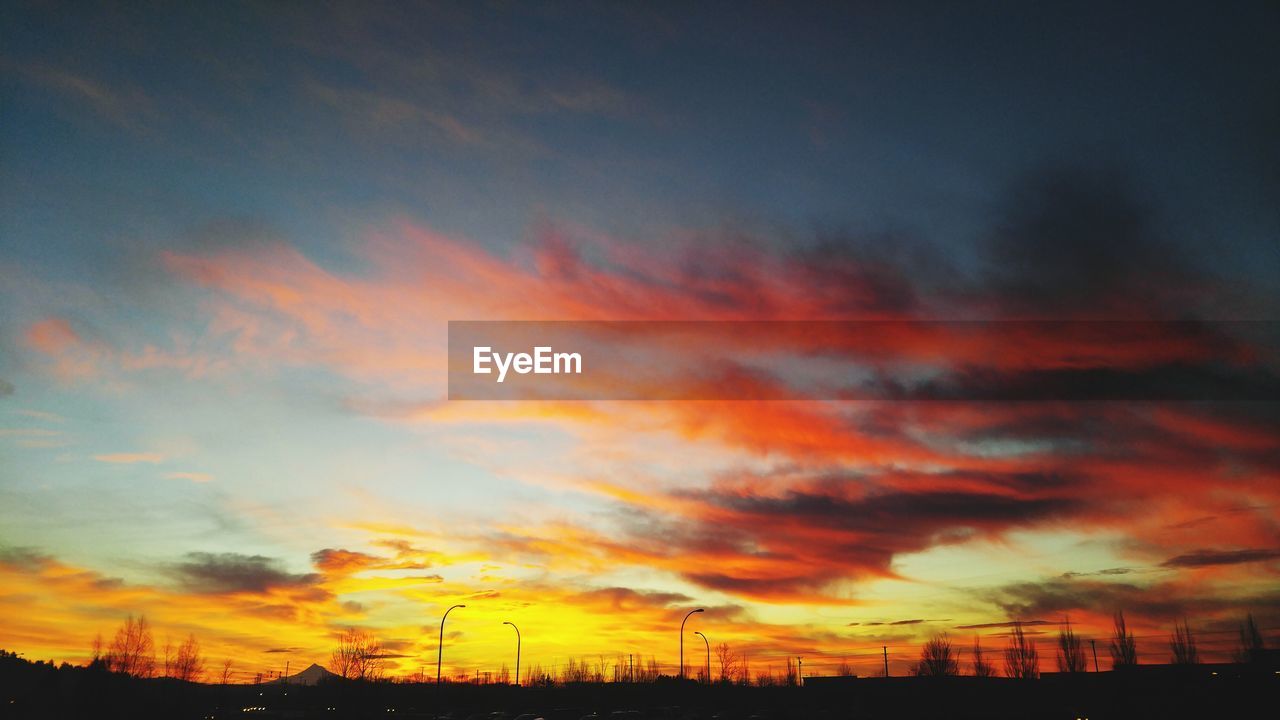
(76,358)
(51,336)
(1014,465)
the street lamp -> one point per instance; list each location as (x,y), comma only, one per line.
(440,647)
(708,644)
(513,625)
(682,622)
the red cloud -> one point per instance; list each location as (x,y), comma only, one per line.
(860,484)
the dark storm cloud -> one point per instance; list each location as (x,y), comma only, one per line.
(801,542)
(1168,382)
(1071,243)
(880,274)
(1209,558)
(620,598)
(1058,597)
(760,586)
(1077,241)
(900,512)
(1065,433)
(219,573)
(1065,241)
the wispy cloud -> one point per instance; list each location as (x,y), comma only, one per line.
(130,458)
(196,477)
(40,415)
(128,107)
(74,357)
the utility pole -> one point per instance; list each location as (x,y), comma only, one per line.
(800,671)
(1094,645)
(886,660)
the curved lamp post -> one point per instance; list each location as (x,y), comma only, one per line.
(513,625)
(440,647)
(682,622)
(708,643)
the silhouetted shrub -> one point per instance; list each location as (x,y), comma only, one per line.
(937,658)
(982,667)
(1124,648)
(1070,650)
(1252,648)
(1182,645)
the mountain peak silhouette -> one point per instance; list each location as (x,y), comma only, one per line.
(312,675)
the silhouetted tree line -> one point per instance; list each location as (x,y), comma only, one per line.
(359,655)
(129,676)
(132,652)
(938,658)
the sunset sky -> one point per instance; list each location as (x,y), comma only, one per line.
(232,236)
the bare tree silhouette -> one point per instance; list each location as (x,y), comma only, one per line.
(358,656)
(575,671)
(845,668)
(226,671)
(730,663)
(1182,645)
(982,667)
(1071,658)
(132,650)
(1021,659)
(1124,648)
(538,676)
(188,665)
(937,658)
